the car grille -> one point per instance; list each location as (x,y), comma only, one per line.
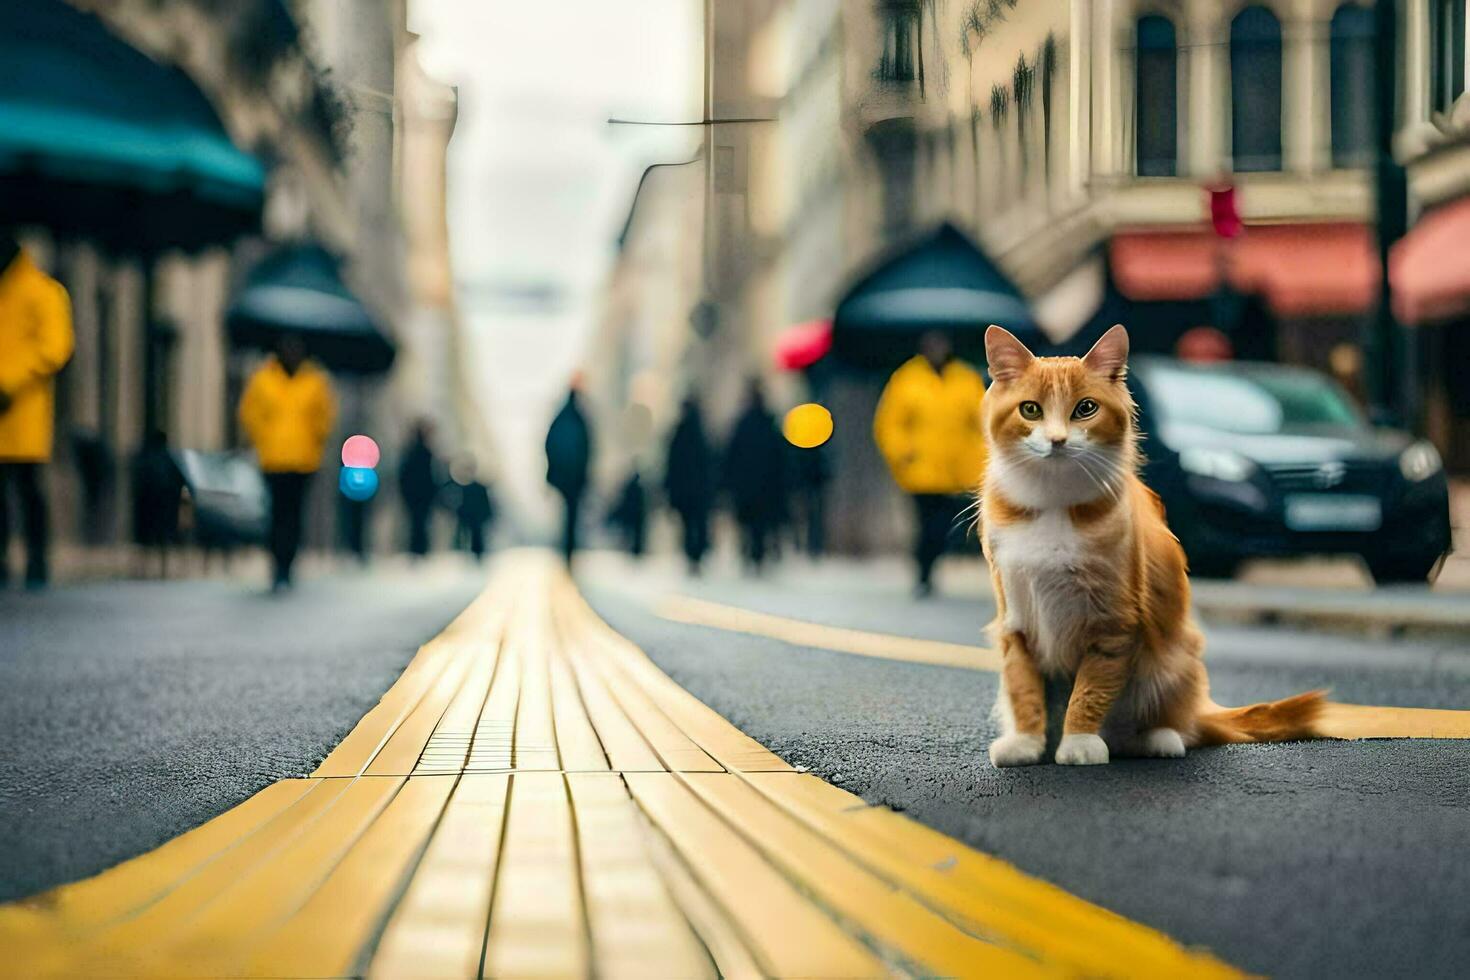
(1347,477)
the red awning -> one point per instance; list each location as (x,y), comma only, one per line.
(1431,266)
(803,344)
(1300,270)
(1306,270)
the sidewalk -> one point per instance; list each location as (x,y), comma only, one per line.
(73,564)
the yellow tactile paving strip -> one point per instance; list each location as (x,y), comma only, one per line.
(1340,721)
(534,797)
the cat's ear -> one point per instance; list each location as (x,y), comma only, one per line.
(1006,356)
(1109,356)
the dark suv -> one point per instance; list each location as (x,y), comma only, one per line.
(1263,460)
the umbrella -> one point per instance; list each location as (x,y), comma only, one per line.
(99,141)
(940,281)
(298,289)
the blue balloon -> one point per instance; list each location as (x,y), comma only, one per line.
(358,482)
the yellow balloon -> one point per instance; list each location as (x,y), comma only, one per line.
(807,426)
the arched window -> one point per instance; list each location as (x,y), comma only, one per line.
(1352,86)
(1255,90)
(1156,97)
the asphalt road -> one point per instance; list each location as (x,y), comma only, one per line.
(135,711)
(1301,860)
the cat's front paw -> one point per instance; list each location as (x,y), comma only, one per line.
(1017,750)
(1082,750)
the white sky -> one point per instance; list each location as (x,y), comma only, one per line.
(540,184)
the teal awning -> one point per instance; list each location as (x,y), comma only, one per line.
(940,281)
(98,140)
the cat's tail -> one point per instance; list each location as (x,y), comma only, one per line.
(1286,720)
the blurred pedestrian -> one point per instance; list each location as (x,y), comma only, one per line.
(687,482)
(754,476)
(928,428)
(158,487)
(287,412)
(568,458)
(810,470)
(354,519)
(474,509)
(630,515)
(419,485)
(36,341)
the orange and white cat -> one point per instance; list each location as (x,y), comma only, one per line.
(1089,582)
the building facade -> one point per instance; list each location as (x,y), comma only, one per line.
(314,88)
(1074,140)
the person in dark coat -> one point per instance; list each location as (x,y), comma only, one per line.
(687,482)
(568,459)
(475,509)
(158,487)
(754,476)
(418,485)
(630,515)
(809,471)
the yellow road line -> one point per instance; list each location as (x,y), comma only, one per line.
(536,921)
(636,925)
(627,831)
(905,927)
(789,935)
(334,924)
(1354,721)
(885,646)
(1341,721)
(438,929)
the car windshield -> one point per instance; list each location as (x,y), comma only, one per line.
(1252,404)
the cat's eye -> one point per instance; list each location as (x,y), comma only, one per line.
(1031,410)
(1085,409)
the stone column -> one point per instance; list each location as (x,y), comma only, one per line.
(1206,117)
(1081,81)
(1104,89)
(1303,123)
(1414,41)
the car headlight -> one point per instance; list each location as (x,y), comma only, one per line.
(1419,462)
(1219,464)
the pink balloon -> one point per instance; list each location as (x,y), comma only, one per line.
(360,451)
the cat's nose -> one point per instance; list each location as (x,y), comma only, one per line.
(1058,443)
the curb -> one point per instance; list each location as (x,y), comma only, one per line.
(1384,611)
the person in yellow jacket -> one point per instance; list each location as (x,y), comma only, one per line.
(928,428)
(35,342)
(287,414)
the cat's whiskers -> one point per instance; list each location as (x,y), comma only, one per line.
(1104,472)
(1103,487)
(1111,471)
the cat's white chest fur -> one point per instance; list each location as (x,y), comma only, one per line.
(1041,567)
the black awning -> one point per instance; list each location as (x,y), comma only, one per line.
(99,141)
(298,289)
(940,281)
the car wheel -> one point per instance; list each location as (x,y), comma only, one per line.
(1388,571)
(1212,566)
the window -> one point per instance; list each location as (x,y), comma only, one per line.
(900,60)
(1156,98)
(1352,86)
(1255,90)
(1446,53)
